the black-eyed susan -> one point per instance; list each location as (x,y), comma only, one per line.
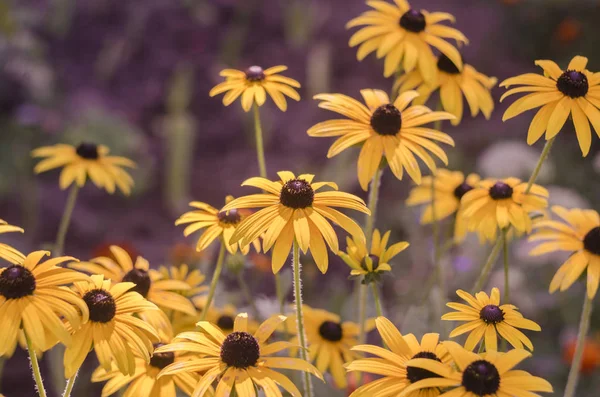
(219,225)
(450,187)
(33,297)
(497,204)
(486,318)
(86,160)
(7,252)
(578,233)
(254,84)
(488,374)
(383,128)
(240,360)
(390,363)
(405,37)
(454,84)
(371,264)
(224,318)
(295,210)
(194,278)
(560,93)
(112,330)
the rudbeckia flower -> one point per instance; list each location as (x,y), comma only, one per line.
(219,224)
(405,37)
(561,93)
(381,127)
(371,264)
(7,252)
(487,318)
(391,363)
(578,233)
(294,209)
(498,204)
(224,318)
(487,374)
(240,360)
(33,298)
(454,84)
(254,84)
(86,160)
(450,187)
(193,278)
(112,330)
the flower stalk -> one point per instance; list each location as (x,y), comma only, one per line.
(70,384)
(215,280)
(584,325)
(35,368)
(65,221)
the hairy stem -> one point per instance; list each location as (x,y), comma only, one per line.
(487,267)
(65,221)
(584,325)
(215,280)
(260,150)
(70,384)
(35,368)
(377,299)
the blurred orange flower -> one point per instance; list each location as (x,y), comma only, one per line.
(591,354)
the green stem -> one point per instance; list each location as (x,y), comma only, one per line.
(260,150)
(247,294)
(35,368)
(308,386)
(506,267)
(584,325)
(65,221)
(377,299)
(70,384)
(215,280)
(539,164)
(487,268)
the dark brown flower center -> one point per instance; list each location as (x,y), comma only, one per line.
(297,193)
(446,65)
(500,191)
(255,73)
(142,281)
(591,241)
(87,151)
(331,331)
(240,350)
(386,120)
(375,260)
(225,322)
(462,189)
(481,378)
(415,374)
(491,314)
(231,217)
(161,360)
(16,281)
(413,21)
(573,84)
(101,305)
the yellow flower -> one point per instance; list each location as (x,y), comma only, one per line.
(574,91)
(239,360)
(579,233)
(33,298)
(404,36)
(193,278)
(453,85)
(487,318)
(391,362)
(295,210)
(7,252)
(371,264)
(502,203)
(112,330)
(218,224)
(450,187)
(488,374)
(85,160)
(254,84)
(224,318)
(381,127)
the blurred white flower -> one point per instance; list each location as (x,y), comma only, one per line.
(513,158)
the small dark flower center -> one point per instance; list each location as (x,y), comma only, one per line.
(500,191)
(101,305)
(142,281)
(240,350)
(16,281)
(415,374)
(297,193)
(231,217)
(161,360)
(491,314)
(375,260)
(462,189)
(446,65)
(331,331)
(591,241)
(413,21)
(386,120)
(87,151)
(481,378)
(255,73)
(573,84)
(225,322)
